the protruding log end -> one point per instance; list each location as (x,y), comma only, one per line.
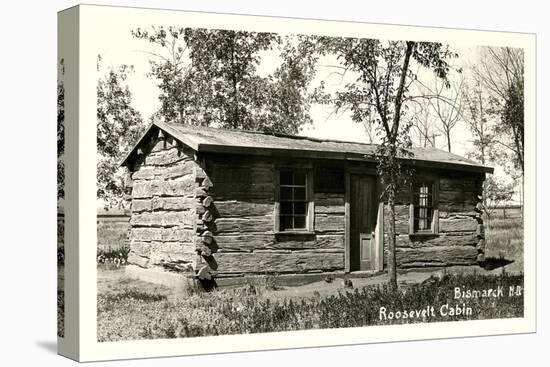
(479,207)
(207,183)
(481,258)
(207,237)
(200,193)
(207,201)
(207,217)
(200,209)
(204,273)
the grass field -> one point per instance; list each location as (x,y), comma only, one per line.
(138,314)
(132,309)
(504,241)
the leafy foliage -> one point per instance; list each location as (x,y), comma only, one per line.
(497,192)
(211,77)
(61,256)
(60,313)
(119,125)
(501,73)
(381,89)
(61,134)
(512,122)
(115,256)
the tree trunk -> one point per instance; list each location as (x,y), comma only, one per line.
(393,182)
(392,263)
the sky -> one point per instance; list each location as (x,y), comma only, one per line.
(122,48)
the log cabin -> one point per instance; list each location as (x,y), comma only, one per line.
(221,203)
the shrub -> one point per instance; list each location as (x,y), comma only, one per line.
(60,313)
(116,257)
(61,256)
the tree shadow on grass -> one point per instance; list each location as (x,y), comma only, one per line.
(492,263)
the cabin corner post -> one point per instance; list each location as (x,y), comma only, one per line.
(347,257)
(205,265)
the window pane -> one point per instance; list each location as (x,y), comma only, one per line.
(300,221)
(300,208)
(422,224)
(423,200)
(286,194)
(286,207)
(299,178)
(422,213)
(285,222)
(286,177)
(299,193)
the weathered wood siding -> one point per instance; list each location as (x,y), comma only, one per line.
(243,192)
(215,215)
(163,217)
(460,239)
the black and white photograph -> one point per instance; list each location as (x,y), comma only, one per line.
(252,182)
(247,183)
(231,183)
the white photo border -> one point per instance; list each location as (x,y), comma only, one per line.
(94,26)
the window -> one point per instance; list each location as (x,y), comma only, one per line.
(294,211)
(424,215)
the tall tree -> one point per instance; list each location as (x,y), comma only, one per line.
(501,72)
(480,118)
(211,77)
(422,126)
(119,126)
(447,106)
(384,76)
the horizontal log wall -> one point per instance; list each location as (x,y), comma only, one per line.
(243,192)
(460,239)
(163,218)
(216,215)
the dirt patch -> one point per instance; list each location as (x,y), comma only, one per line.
(112,280)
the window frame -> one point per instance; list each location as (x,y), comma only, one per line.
(309,199)
(433,183)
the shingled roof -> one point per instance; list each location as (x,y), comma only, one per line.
(232,141)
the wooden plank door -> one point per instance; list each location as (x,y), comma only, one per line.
(363,210)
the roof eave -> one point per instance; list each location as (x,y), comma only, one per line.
(298,153)
(166,128)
